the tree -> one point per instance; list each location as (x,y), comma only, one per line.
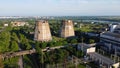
(57,43)
(11,62)
(43,45)
(40,55)
(14,36)
(59,55)
(73,41)
(1,64)
(24,42)
(50,44)
(91,41)
(41,58)
(64,43)
(79,54)
(4,41)
(27,46)
(14,46)
(38,49)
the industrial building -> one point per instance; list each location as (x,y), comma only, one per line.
(111,40)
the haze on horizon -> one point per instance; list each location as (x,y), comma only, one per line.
(59,7)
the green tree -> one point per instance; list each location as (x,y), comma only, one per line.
(50,44)
(14,36)
(43,45)
(37,47)
(4,41)
(24,42)
(27,46)
(91,41)
(11,63)
(73,41)
(64,42)
(14,46)
(1,64)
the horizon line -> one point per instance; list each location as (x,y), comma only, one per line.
(53,15)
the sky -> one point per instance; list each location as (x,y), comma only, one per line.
(59,7)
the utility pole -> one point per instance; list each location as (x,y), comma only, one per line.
(42,60)
(82,44)
(115,55)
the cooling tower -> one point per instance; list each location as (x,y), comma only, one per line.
(42,31)
(67,29)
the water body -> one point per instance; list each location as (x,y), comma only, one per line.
(100,21)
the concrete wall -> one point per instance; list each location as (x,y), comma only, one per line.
(67,29)
(116,65)
(89,50)
(42,31)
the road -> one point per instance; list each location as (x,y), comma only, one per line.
(20,62)
(25,52)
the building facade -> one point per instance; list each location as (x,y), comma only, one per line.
(19,23)
(111,40)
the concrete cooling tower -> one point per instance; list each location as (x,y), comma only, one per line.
(42,31)
(67,29)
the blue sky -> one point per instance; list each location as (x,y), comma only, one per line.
(59,7)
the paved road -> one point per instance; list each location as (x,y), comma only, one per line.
(20,62)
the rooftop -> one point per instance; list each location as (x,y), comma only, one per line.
(116,35)
(42,21)
(87,45)
(102,58)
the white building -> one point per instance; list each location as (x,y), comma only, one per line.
(115,28)
(5,24)
(84,47)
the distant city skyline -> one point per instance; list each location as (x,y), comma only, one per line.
(59,8)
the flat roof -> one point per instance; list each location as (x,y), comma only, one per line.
(117,35)
(104,59)
(86,45)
